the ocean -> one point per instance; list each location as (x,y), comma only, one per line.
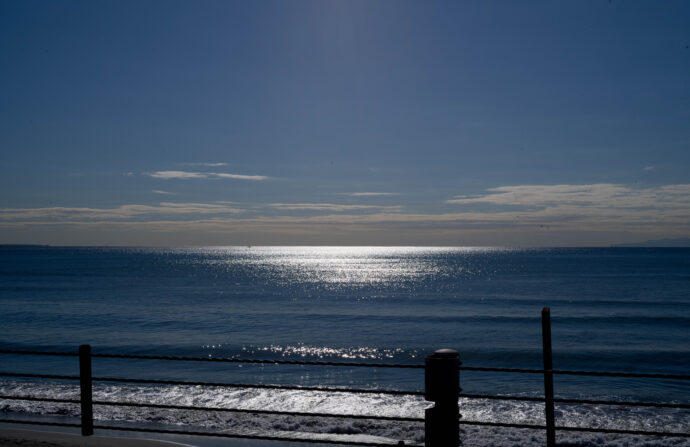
(613,309)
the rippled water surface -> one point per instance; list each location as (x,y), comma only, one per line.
(619,309)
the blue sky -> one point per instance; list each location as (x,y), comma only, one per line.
(344,122)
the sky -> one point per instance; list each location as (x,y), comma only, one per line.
(481,123)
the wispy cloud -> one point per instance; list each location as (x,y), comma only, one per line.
(333,207)
(121,212)
(167,175)
(648,168)
(176,174)
(602,195)
(158,191)
(238,176)
(212,165)
(370,194)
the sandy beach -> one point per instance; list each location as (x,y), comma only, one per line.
(11,436)
(28,438)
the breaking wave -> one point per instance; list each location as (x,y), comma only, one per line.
(336,428)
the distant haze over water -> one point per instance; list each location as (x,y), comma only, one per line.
(660,243)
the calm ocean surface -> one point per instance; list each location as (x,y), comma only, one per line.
(613,309)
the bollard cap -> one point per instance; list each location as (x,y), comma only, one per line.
(446,354)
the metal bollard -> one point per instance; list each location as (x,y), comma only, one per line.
(86,390)
(548,377)
(442,386)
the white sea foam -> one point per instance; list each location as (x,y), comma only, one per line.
(343,403)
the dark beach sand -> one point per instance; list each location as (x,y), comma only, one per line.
(27,438)
(17,437)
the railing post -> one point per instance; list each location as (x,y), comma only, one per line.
(548,377)
(442,386)
(86,390)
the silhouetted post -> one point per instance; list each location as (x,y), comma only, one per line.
(548,377)
(86,392)
(442,386)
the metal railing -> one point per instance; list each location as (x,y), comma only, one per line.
(86,401)
(549,400)
(442,370)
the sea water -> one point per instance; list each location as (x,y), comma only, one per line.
(613,309)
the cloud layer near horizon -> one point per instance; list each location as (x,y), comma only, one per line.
(573,208)
(76,214)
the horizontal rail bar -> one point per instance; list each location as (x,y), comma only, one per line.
(622,403)
(322,441)
(218,384)
(626,432)
(41,399)
(258,361)
(220,359)
(17,351)
(353,390)
(250,385)
(501,397)
(52,424)
(503,424)
(230,410)
(578,401)
(622,374)
(360,364)
(233,435)
(38,376)
(243,410)
(581,429)
(578,373)
(499,369)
